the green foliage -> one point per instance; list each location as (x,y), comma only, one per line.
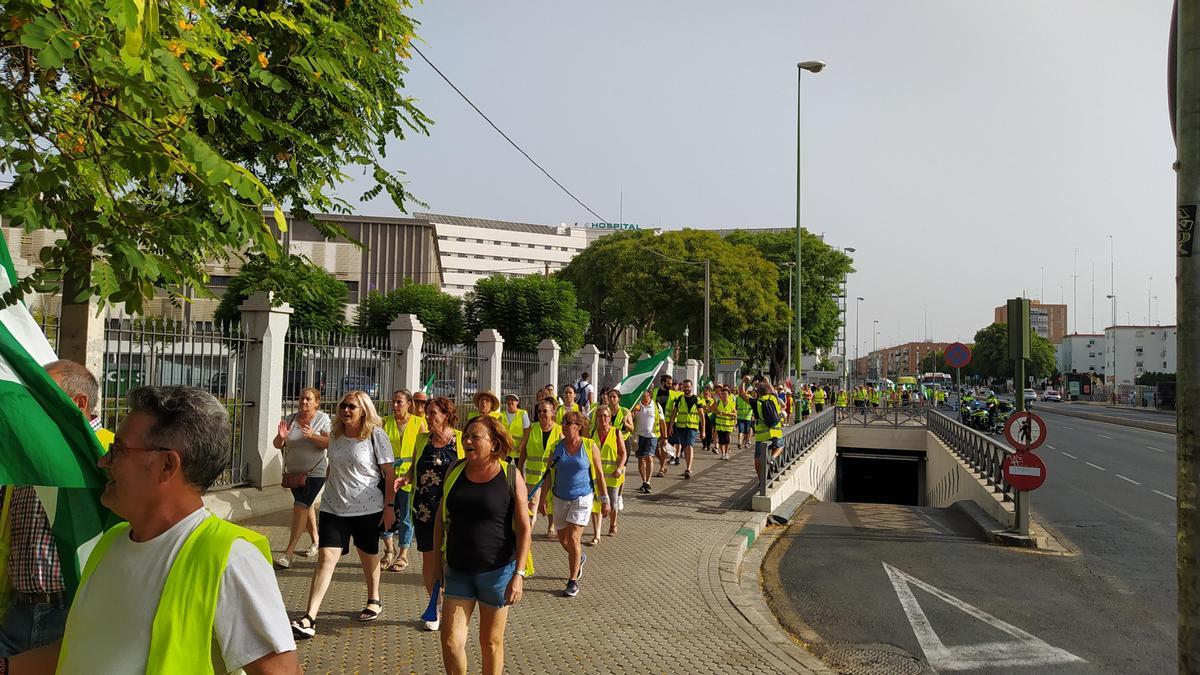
(826,364)
(621,282)
(153,134)
(440,313)
(990,355)
(527,310)
(318,300)
(1043,362)
(649,343)
(1150,379)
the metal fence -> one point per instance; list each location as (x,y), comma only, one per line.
(336,363)
(983,454)
(569,368)
(904,415)
(606,375)
(455,373)
(165,352)
(520,374)
(797,440)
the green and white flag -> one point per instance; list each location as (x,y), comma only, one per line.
(641,378)
(428,388)
(47,441)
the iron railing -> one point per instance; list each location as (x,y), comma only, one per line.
(336,363)
(520,374)
(905,415)
(798,440)
(984,455)
(606,375)
(165,352)
(569,368)
(455,373)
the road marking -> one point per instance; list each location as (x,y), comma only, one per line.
(1095,467)
(1150,447)
(1128,479)
(1025,650)
(1049,446)
(1103,436)
(1067,427)
(1163,494)
(1069,455)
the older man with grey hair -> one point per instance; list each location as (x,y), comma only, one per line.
(175,589)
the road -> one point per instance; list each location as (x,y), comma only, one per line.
(1109,497)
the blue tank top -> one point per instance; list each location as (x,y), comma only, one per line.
(572,477)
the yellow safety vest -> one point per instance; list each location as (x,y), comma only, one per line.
(686,418)
(516,430)
(841,399)
(608,458)
(562,410)
(819,396)
(536,451)
(875,397)
(403,446)
(617,423)
(182,633)
(726,414)
(762,432)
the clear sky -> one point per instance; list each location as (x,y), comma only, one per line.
(960,147)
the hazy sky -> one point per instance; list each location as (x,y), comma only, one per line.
(961,147)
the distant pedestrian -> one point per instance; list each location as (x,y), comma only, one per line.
(516,421)
(745,422)
(585,393)
(650,424)
(724,419)
(577,479)
(568,404)
(533,458)
(687,425)
(665,396)
(402,429)
(708,401)
(613,455)
(304,438)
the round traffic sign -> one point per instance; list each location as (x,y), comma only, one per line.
(1024,471)
(1025,431)
(958,355)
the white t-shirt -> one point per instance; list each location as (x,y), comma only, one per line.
(352,482)
(643,420)
(508,417)
(114,611)
(303,454)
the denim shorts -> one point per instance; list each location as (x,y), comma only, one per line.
(646,446)
(685,437)
(762,448)
(488,588)
(744,426)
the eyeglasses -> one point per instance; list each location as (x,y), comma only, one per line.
(348,406)
(117,449)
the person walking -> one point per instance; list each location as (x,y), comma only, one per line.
(708,403)
(304,438)
(486,403)
(768,421)
(665,396)
(618,416)
(745,422)
(568,405)
(585,394)
(359,484)
(687,424)
(517,422)
(613,456)
(533,457)
(576,479)
(818,399)
(483,528)
(724,419)
(649,424)
(402,429)
(436,449)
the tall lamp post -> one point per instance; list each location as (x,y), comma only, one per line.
(875,346)
(812,67)
(1116,382)
(787,373)
(845,329)
(857,314)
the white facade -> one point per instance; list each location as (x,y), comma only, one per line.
(1081,353)
(1137,350)
(475,248)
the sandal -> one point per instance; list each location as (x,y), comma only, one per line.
(300,631)
(385,563)
(687,474)
(594,541)
(399,565)
(662,472)
(369,614)
(612,531)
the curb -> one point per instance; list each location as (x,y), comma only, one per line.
(1135,424)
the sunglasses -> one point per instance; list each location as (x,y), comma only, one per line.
(348,406)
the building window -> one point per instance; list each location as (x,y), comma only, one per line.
(1139,351)
(1140,333)
(1164,365)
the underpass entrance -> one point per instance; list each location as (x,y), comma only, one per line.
(873,476)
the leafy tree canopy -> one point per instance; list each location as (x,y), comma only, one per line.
(526,310)
(990,355)
(440,313)
(318,300)
(153,134)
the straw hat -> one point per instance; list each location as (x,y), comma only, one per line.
(486,395)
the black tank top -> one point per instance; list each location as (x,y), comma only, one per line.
(480,538)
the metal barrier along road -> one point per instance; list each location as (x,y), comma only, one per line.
(797,439)
(982,453)
(908,415)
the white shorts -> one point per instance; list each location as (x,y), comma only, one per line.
(573,511)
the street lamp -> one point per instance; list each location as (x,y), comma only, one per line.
(875,346)
(845,299)
(1116,382)
(787,373)
(686,331)
(857,314)
(813,67)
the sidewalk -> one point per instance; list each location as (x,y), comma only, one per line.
(651,599)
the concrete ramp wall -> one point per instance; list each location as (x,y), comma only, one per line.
(948,479)
(813,474)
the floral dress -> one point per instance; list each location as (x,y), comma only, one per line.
(429,472)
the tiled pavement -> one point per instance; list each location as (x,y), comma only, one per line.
(651,599)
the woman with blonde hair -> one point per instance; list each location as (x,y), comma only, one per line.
(359,486)
(483,530)
(303,436)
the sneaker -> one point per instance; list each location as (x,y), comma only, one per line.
(572,589)
(282,562)
(620,502)
(432,625)
(648,488)
(309,552)
(645,489)
(582,560)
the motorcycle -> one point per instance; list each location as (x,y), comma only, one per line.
(979,419)
(1004,410)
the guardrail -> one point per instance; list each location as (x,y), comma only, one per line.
(797,440)
(979,451)
(905,415)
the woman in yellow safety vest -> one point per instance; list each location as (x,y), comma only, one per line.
(568,405)
(611,441)
(487,403)
(402,429)
(818,398)
(538,442)
(516,421)
(725,416)
(766,437)
(611,408)
(708,400)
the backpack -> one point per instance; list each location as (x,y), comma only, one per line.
(581,389)
(768,412)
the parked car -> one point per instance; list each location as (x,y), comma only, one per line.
(1052,395)
(218,385)
(1030,395)
(360,383)
(295,380)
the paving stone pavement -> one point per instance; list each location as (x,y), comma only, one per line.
(651,599)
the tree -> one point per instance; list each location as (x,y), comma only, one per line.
(152,134)
(526,310)
(440,313)
(649,343)
(657,283)
(318,300)
(991,360)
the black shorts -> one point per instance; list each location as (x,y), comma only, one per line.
(424,534)
(306,494)
(723,437)
(334,531)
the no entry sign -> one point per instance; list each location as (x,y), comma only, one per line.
(1024,471)
(958,355)
(1025,431)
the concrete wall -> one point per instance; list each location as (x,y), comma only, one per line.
(948,480)
(813,474)
(881,438)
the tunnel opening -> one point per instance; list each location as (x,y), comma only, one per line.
(880,476)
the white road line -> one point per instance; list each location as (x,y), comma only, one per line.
(1049,446)
(1163,494)
(1095,467)
(1069,455)
(1067,427)
(1148,447)
(1128,479)
(1103,436)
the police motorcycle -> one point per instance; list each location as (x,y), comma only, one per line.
(979,417)
(1003,411)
